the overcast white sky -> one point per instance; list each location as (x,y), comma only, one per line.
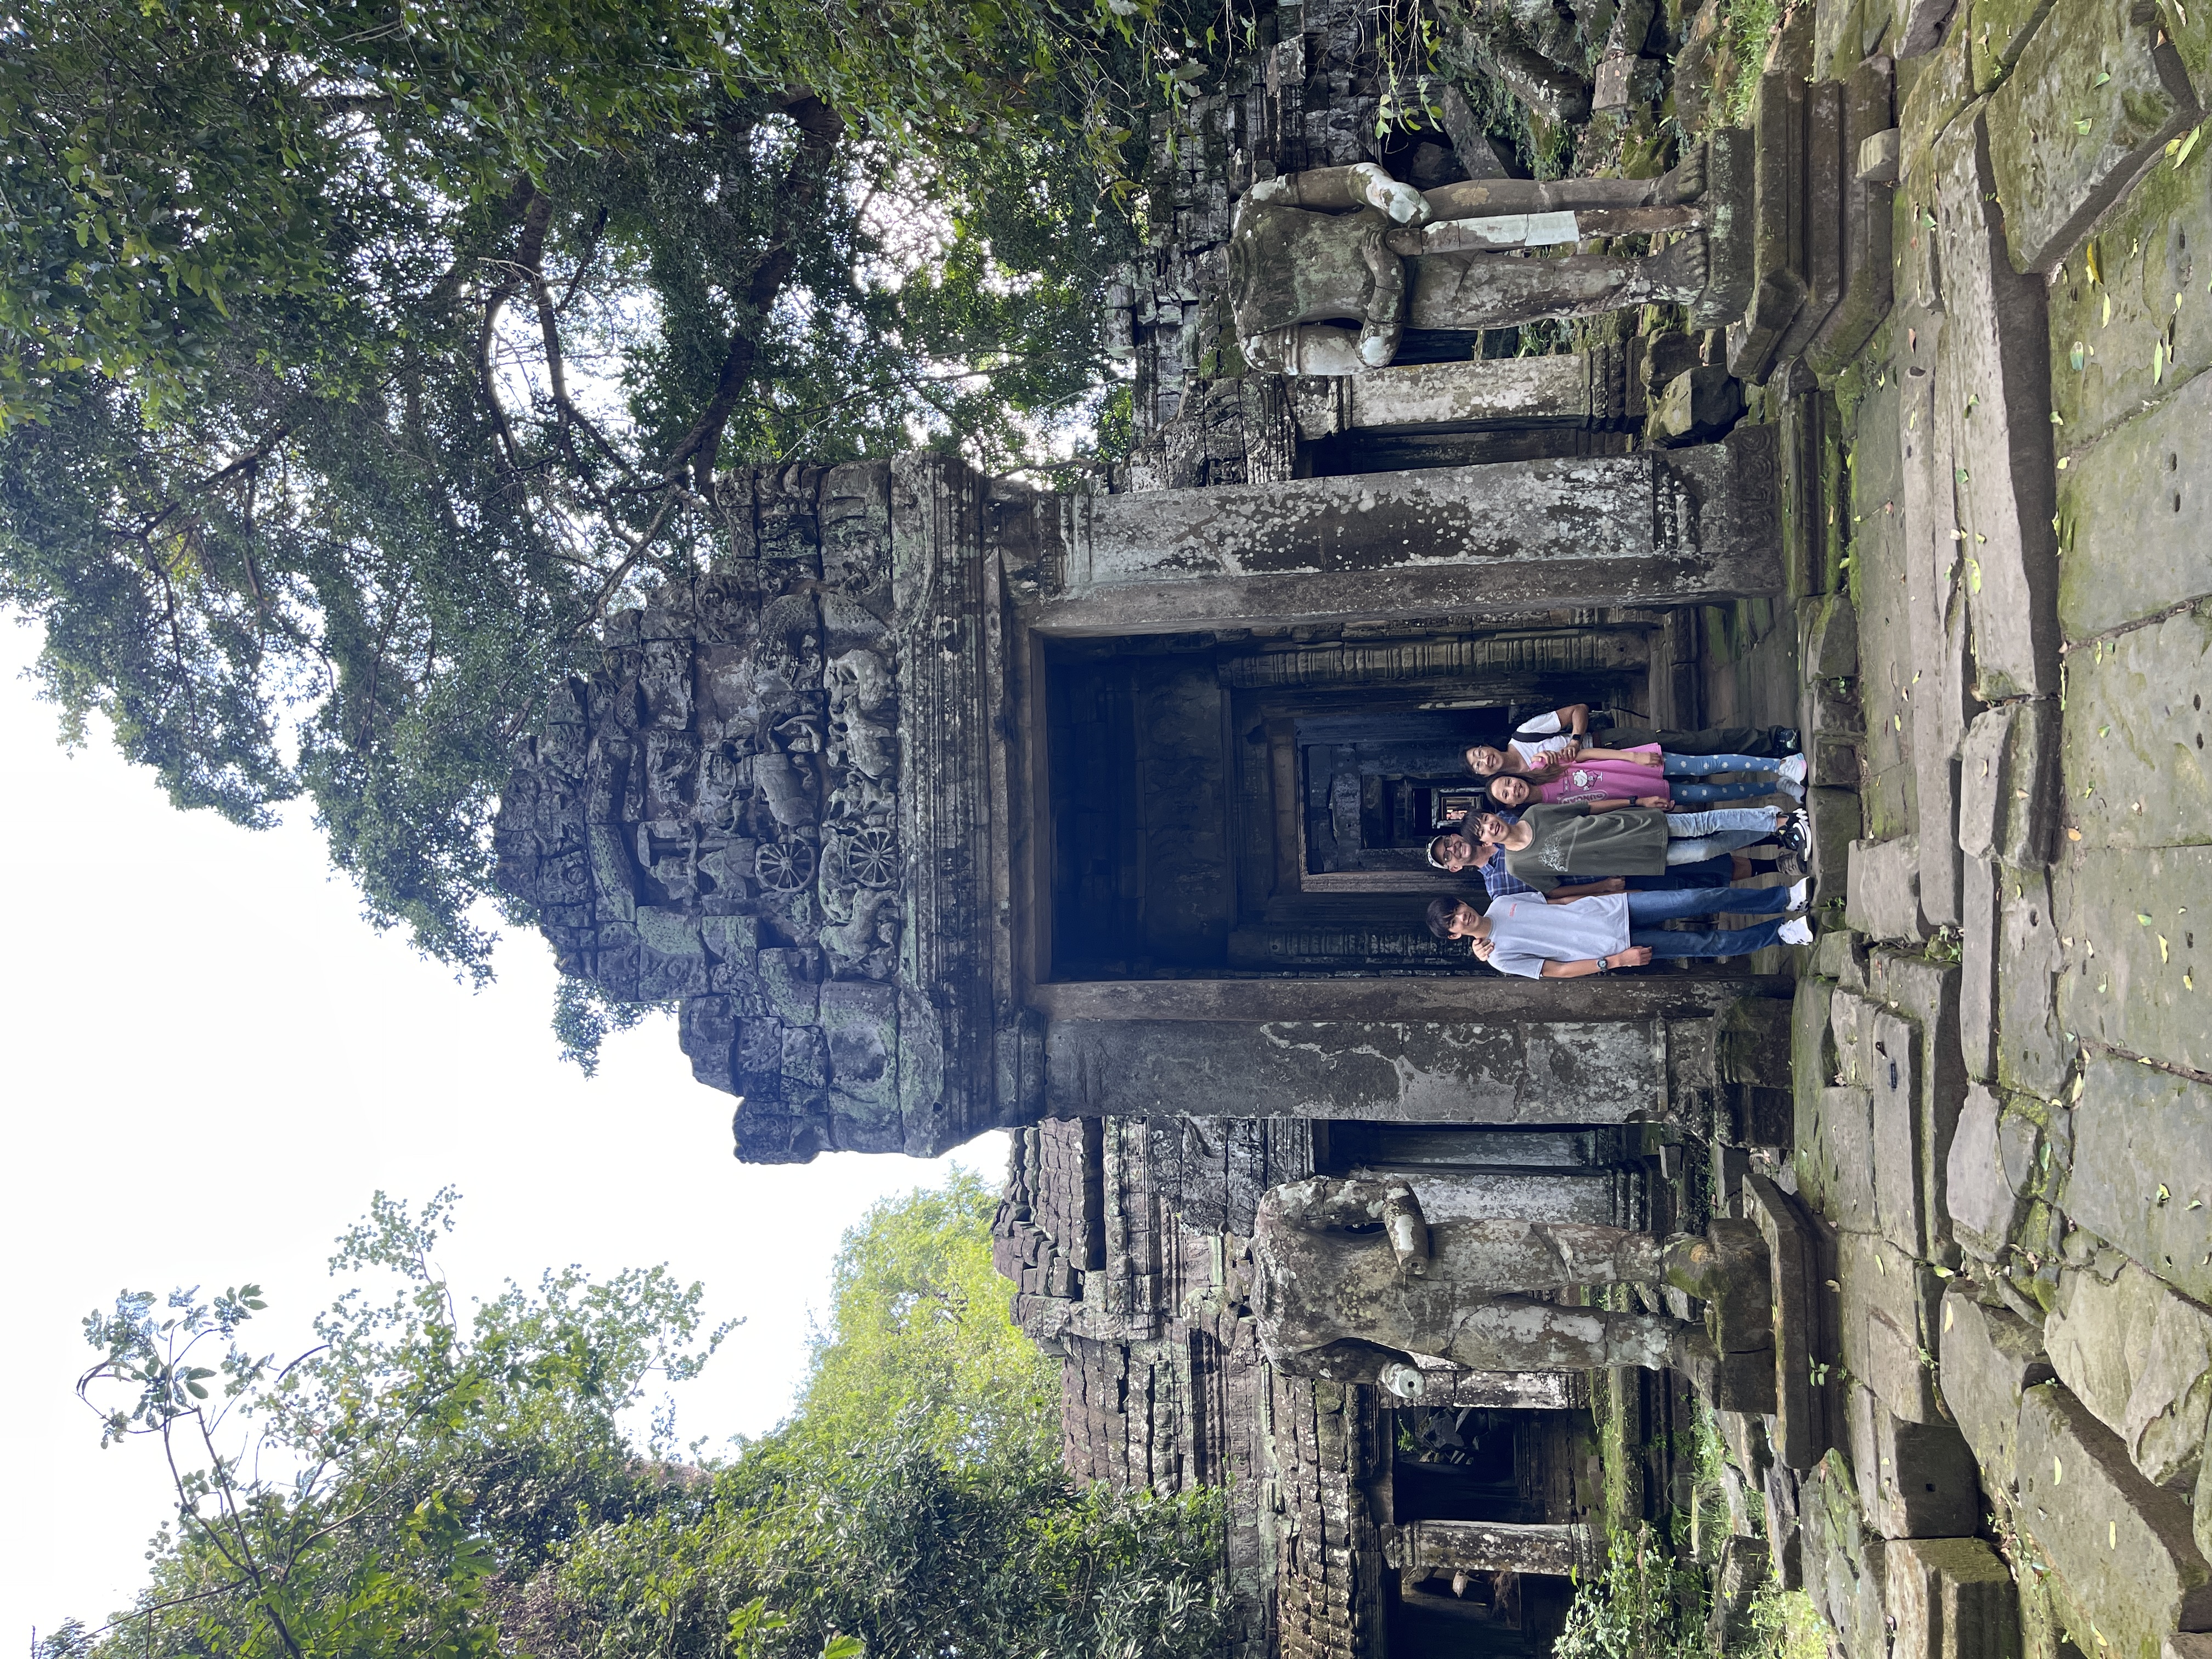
(210,1063)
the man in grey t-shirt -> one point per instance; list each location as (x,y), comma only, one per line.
(1536,940)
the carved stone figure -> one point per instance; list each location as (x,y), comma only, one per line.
(1353,1282)
(717,817)
(1327,268)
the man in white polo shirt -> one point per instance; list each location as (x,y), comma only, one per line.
(1536,940)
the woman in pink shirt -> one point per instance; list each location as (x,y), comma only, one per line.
(1643,774)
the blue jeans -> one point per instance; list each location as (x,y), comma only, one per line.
(1703,766)
(1696,794)
(1649,907)
(1697,836)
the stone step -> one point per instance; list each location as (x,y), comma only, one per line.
(1884,889)
(2135,514)
(2144,990)
(1995,394)
(1915,1479)
(1950,1598)
(1795,1246)
(2142,1167)
(1990,1358)
(2127,1570)
(1985,1204)
(1868,216)
(1888,1306)
(2086,111)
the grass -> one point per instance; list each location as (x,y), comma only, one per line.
(1747,26)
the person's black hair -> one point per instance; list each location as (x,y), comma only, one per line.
(1441,912)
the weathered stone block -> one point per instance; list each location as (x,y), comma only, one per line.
(1890,1069)
(2032,1053)
(1752,1041)
(1978,970)
(1838,820)
(1884,896)
(1835,1162)
(1927,993)
(1996,343)
(2137,514)
(1915,1479)
(1831,648)
(2132,979)
(2138,775)
(2139,1357)
(1887,1316)
(1878,157)
(1841,954)
(2121,1547)
(1933,100)
(1919,26)
(2085,113)
(1951,1598)
(1982,786)
(1984,1208)
(1989,1359)
(1799,1430)
(2141,1173)
(1812,1049)
(1843,1564)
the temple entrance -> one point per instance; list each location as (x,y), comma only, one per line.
(1466,1464)
(1224,804)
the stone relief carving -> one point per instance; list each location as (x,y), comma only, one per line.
(716,816)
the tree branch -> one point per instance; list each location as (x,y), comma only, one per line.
(821,128)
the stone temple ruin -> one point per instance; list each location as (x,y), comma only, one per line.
(937,805)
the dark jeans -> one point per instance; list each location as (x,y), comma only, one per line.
(1713,741)
(1649,907)
(1711,872)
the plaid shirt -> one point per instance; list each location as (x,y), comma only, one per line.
(1502,883)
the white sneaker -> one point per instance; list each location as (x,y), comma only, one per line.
(1800,893)
(1794,932)
(1793,769)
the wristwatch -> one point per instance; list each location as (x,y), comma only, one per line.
(1605,964)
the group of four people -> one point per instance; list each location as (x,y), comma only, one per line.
(1583,856)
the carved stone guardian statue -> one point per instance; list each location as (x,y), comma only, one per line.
(1328,268)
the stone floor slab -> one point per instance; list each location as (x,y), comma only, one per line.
(1926,992)
(2135,517)
(2139,1355)
(1888,1305)
(2086,112)
(1989,1359)
(1892,1075)
(2142,1169)
(2137,771)
(1997,342)
(1835,1169)
(1884,898)
(2136,333)
(2138,977)
(2120,1545)
(1977,971)
(1985,1206)
(2034,1055)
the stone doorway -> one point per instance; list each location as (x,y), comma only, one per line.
(1238,804)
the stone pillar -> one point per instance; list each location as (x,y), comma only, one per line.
(1559,1548)
(1672,527)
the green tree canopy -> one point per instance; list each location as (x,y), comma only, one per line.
(435,1483)
(356,359)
